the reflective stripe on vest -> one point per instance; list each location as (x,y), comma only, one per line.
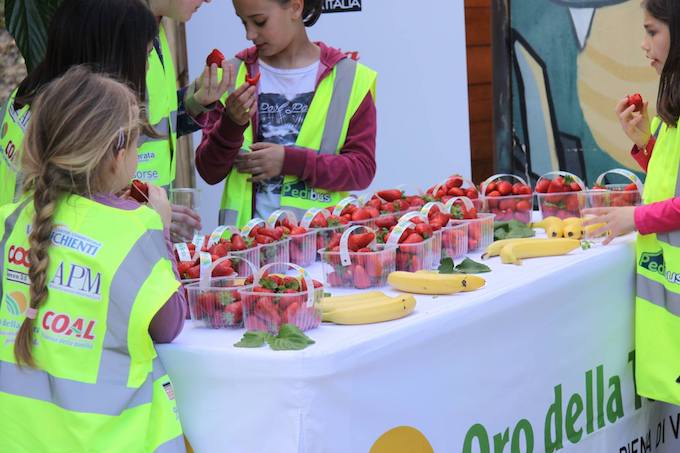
(12,130)
(156,161)
(657,305)
(337,98)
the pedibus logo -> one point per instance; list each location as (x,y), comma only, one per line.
(299,189)
(16,303)
(341,6)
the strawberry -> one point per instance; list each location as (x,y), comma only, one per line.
(490,188)
(223,269)
(220,249)
(390,195)
(472,194)
(361,214)
(252,81)
(233,314)
(493,193)
(454,181)
(522,206)
(504,187)
(543,185)
(319,221)
(361,279)
(386,221)
(298,230)
(194,272)
(237,242)
(215,58)
(574,187)
(456,192)
(424,230)
(413,238)
(139,191)
(358,241)
(636,100)
(556,186)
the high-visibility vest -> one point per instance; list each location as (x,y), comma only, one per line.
(98,385)
(156,157)
(336,100)
(12,131)
(657,305)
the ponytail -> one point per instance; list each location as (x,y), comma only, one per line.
(48,188)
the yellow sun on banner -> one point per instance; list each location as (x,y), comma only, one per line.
(402,439)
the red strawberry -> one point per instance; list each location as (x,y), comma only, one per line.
(424,230)
(216,57)
(413,238)
(636,100)
(359,241)
(252,81)
(361,214)
(223,269)
(454,181)
(360,277)
(233,314)
(237,242)
(504,187)
(139,191)
(574,187)
(319,221)
(522,206)
(543,185)
(390,195)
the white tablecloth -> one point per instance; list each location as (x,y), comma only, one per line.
(540,359)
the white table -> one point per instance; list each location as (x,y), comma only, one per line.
(545,343)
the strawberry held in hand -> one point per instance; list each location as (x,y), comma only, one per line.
(216,57)
(636,100)
(139,191)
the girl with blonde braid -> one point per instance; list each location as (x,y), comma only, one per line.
(88,283)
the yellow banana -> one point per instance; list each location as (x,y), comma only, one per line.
(331,303)
(588,230)
(352,297)
(495,248)
(384,310)
(515,252)
(543,224)
(573,230)
(411,282)
(570,220)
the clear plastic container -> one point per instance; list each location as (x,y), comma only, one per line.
(302,248)
(324,236)
(419,256)
(442,191)
(365,270)
(269,311)
(611,195)
(217,306)
(240,266)
(277,252)
(562,204)
(454,240)
(479,231)
(507,207)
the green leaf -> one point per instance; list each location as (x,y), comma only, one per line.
(290,338)
(512,229)
(468,266)
(446,266)
(253,339)
(585,245)
(27,21)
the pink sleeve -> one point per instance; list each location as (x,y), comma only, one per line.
(220,144)
(168,322)
(352,169)
(659,217)
(642,158)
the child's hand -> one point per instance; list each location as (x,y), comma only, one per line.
(635,124)
(209,88)
(618,221)
(264,162)
(241,104)
(158,200)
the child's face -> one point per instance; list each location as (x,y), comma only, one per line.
(656,42)
(182,10)
(269,25)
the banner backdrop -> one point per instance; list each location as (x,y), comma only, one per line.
(419,54)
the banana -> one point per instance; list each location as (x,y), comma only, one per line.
(574,230)
(515,252)
(332,303)
(570,220)
(384,310)
(591,228)
(495,248)
(412,282)
(543,224)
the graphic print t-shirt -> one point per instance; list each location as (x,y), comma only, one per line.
(283,101)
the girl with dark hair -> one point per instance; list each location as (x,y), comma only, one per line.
(111,36)
(299,131)
(657,305)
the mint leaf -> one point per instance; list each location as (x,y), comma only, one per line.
(253,339)
(290,338)
(468,266)
(446,266)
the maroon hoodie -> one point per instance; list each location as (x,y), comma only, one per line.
(352,169)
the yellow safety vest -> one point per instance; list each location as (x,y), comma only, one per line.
(99,385)
(336,100)
(11,138)
(657,305)
(156,159)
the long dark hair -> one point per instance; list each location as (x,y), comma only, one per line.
(110,36)
(310,12)
(668,100)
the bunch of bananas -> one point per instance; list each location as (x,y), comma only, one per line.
(571,227)
(365,308)
(512,251)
